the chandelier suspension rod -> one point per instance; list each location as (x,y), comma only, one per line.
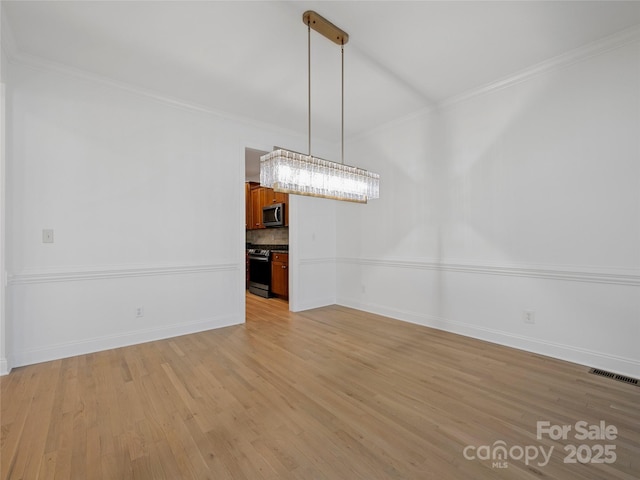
(309,79)
(336,35)
(342,106)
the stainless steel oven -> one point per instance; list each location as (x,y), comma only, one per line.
(260,272)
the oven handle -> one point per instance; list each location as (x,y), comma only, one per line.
(259,259)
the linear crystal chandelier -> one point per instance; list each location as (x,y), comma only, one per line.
(300,174)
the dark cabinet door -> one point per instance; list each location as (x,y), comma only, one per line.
(247,206)
(257,201)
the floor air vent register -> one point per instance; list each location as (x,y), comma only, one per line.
(615,376)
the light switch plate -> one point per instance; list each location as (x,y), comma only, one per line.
(529,317)
(47,235)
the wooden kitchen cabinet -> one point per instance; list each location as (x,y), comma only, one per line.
(280,274)
(258,197)
(257,202)
(275,197)
(247,206)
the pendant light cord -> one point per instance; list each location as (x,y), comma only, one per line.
(309,79)
(341,92)
(342,106)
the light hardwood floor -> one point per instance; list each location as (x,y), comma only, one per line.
(331,393)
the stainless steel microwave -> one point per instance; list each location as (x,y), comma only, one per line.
(273,215)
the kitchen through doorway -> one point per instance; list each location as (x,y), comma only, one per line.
(266,234)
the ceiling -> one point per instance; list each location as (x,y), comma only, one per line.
(249,59)
(252,164)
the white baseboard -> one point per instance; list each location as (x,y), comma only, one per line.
(310,304)
(55,352)
(589,358)
(4,367)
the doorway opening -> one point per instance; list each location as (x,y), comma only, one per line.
(266,234)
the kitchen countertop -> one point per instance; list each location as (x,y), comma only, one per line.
(273,248)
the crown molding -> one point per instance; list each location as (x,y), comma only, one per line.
(616,40)
(611,42)
(43,64)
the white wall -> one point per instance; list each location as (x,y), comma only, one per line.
(524,197)
(312,236)
(4,41)
(146,199)
(4,364)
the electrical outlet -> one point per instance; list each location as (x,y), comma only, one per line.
(47,235)
(139,312)
(529,317)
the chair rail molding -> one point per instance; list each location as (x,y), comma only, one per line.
(574,273)
(101,273)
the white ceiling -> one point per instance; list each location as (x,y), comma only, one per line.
(249,59)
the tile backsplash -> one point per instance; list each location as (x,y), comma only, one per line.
(268,236)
